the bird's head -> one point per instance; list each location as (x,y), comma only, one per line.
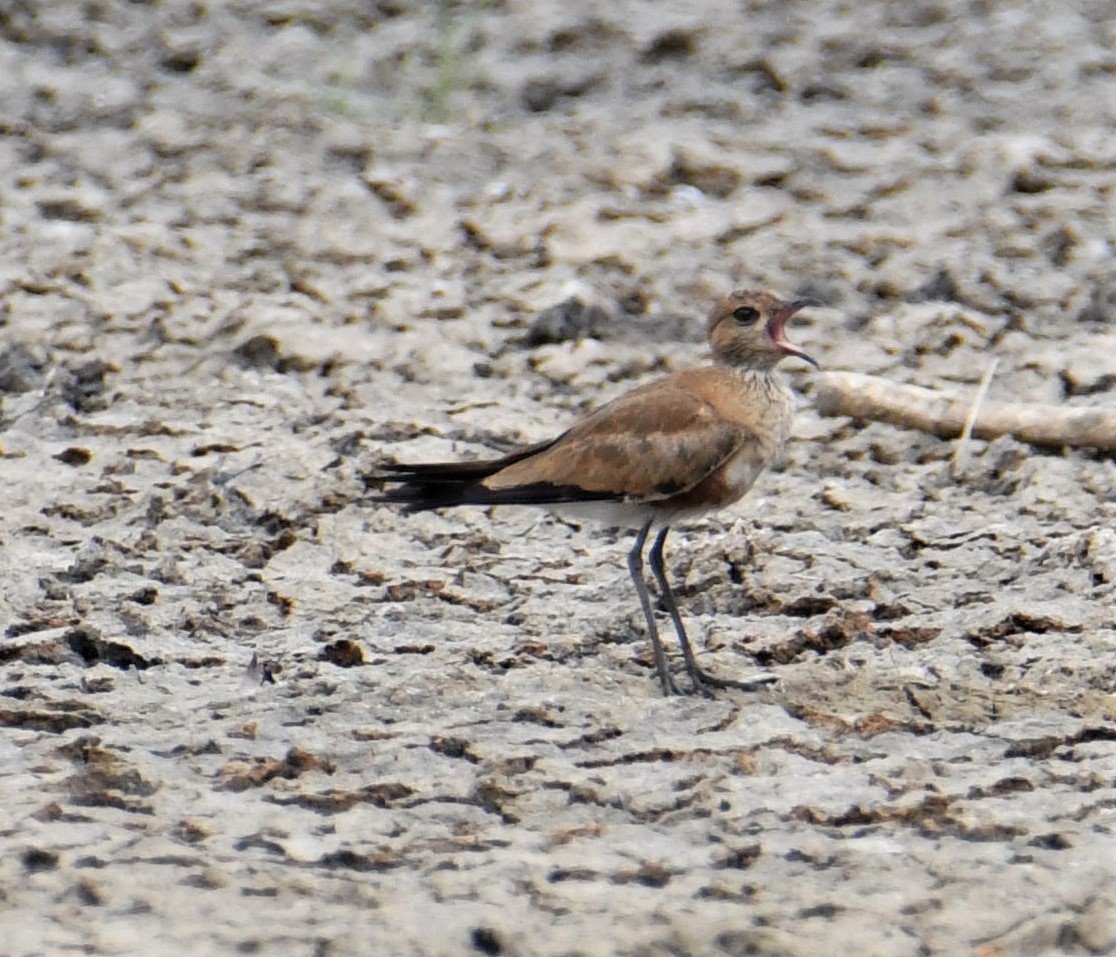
(747,329)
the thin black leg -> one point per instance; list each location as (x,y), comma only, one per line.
(635,568)
(659,571)
(702,679)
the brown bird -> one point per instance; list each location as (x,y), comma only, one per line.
(667,451)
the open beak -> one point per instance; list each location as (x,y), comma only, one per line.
(776,328)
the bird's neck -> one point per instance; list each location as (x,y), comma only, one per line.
(768,398)
(752,367)
(763,382)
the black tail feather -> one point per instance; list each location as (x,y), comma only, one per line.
(420,495)
(454,472)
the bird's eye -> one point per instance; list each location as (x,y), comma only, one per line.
(745,315)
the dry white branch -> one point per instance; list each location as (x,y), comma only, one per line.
(945,415)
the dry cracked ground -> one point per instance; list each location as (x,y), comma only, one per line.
(250,250)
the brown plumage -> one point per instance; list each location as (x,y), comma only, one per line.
(687,444)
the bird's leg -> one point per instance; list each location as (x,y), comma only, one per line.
(702,680)
(635,567)
(659,571)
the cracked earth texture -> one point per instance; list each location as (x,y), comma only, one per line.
(250,250)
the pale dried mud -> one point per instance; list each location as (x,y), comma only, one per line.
(250,250)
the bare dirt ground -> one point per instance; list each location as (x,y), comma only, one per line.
(249,250)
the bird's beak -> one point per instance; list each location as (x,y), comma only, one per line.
(776,328)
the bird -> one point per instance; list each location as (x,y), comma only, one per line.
(674,449)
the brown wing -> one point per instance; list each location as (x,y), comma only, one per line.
(650,444)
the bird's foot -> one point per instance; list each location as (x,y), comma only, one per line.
(703,681)
(669,685)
